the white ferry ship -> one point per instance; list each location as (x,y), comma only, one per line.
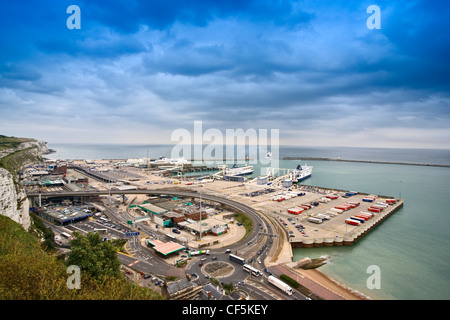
(238,171)
(301,173)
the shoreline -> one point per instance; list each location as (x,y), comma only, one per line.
(333,285)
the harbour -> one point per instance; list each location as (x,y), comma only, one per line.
(402,235)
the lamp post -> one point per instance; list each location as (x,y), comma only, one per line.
(201,212)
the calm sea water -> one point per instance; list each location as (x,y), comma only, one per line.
(411,247)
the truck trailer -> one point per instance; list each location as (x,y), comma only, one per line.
(280,285)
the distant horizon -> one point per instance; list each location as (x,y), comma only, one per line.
(284,145)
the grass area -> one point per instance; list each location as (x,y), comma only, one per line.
(289,281)
(10,142)
(246,222)
(28,272)
(294,284)
(14,161)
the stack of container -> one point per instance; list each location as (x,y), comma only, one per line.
(338,211)
(369,199)
(363,216)
(375,209)
(353,204)
(361,220)
(305,206)
(295,211)
(344,207)
(352,222)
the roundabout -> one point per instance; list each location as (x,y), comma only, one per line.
(218,269)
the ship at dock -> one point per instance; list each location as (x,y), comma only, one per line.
(238,171)
(301,173)
(233,172)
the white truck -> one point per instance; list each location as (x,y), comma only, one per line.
(280,285)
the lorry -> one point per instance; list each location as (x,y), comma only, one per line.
(280,285)
(315,220)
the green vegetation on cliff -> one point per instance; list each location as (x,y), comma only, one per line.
(10,142)
(14,161)
(28,272)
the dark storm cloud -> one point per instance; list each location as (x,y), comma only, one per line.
(293,65)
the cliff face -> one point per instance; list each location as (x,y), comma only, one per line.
(13,203)
(42,147)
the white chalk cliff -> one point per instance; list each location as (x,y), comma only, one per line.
(13,201)
(13,204)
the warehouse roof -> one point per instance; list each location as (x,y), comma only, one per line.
(165,248)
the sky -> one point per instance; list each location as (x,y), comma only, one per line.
(136,71)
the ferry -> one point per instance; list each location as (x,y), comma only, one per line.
(238,171)
(301,173)
(164,160)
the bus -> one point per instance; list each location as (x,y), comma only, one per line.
(100,230)
(237,259)
(253,271)
(66,235)
(170,236)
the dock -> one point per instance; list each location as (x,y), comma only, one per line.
(322,224)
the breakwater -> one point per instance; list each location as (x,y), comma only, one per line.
(368,161)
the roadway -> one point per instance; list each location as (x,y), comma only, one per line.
(255,246)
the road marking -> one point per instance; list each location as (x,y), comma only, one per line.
(125,254)
(133,263)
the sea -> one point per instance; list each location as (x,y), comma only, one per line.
(409,250)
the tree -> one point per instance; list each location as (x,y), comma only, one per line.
(94,256)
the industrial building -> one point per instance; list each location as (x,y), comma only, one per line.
(66,215)
(76,178)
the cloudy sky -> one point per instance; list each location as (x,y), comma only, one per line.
(138,70)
